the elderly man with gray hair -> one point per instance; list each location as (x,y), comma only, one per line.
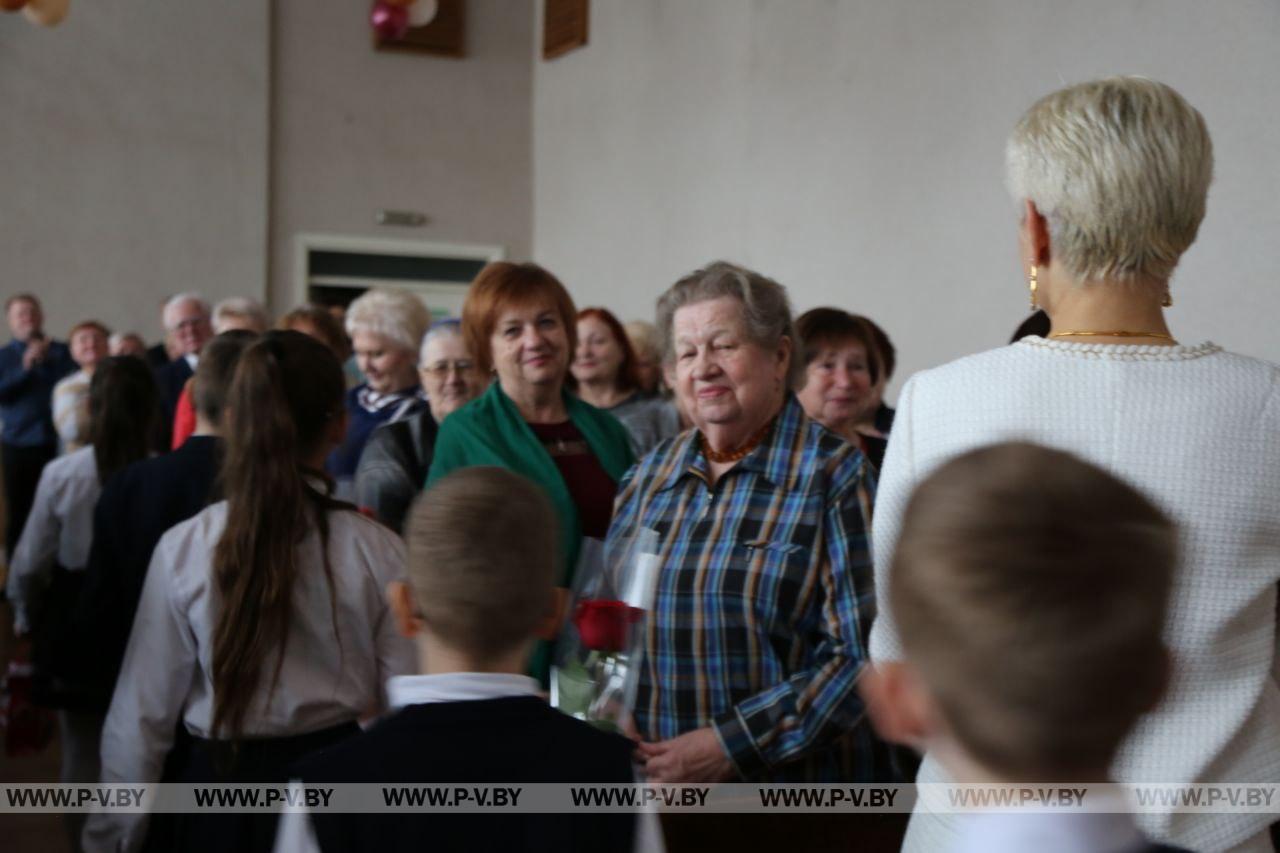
(1110,179)
(187,321)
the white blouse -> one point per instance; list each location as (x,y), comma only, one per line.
(324,680)
(1198,430)
(58,530)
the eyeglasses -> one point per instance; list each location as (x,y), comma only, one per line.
(441,368)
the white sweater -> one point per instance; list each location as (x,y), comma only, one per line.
(1198,430)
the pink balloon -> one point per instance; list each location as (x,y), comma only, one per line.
(389,22)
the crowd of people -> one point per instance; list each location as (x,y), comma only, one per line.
(339,548)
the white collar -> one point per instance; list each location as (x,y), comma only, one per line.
(458,687)
(1048,832)
(192,360)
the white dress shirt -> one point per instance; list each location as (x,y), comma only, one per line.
(324,680)
(1197,430)
(1048,832)
(58,530)
(296,833)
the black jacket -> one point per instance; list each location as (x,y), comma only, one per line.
(394,466)
(517,739)
(170,380)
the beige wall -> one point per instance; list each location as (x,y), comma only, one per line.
(133,157)
(853,150)
(357,130)
(147,148)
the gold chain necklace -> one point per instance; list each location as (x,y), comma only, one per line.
(1119,333)
(720,457)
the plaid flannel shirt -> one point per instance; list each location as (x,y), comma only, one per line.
(763,603)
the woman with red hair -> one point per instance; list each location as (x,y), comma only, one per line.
(606,370)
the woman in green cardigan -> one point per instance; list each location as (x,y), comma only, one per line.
(521,324)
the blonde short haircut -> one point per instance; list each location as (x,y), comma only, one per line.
(240,308)
(399,317)
(645,341)
(1030,590)
(1120,167)
(483,559)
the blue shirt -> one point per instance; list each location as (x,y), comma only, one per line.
(26,396)
(763,601)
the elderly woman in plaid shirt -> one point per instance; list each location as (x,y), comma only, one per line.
(764,600)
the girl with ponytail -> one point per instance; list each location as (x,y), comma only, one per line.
(47,572)
(262,625)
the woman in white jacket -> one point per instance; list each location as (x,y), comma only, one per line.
(1112,178)
(262,625)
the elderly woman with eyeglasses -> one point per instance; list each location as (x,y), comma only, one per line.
(1110,178)
(396,460)
(764,597)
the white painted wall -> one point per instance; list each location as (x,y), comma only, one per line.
(853,150)
(357,130)
(150,147)
(133,157)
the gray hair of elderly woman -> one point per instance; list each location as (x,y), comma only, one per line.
(766,308)
(1120,168)
(447,328)
(397,315)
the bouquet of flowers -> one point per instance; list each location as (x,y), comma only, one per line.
(596,665)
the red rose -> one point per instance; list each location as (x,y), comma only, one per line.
(603,624)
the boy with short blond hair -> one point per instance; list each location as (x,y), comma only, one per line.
(1031,590)
(482,566)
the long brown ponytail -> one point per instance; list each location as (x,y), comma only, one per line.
(287,390)
(124,408)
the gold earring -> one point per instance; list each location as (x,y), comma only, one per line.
(1167,302)
(1033,283)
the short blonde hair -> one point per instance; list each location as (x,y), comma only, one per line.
(1120,168)
(766,308)
(645,341)
(240,308)
(396,315)
(483,559)
(1030,590)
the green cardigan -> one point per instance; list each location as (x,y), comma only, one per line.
(490,431)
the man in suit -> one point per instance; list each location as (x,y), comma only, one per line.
(158,356)
(30,365)
(187,319)
(137,506)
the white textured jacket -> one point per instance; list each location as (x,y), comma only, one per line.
(1198,430)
